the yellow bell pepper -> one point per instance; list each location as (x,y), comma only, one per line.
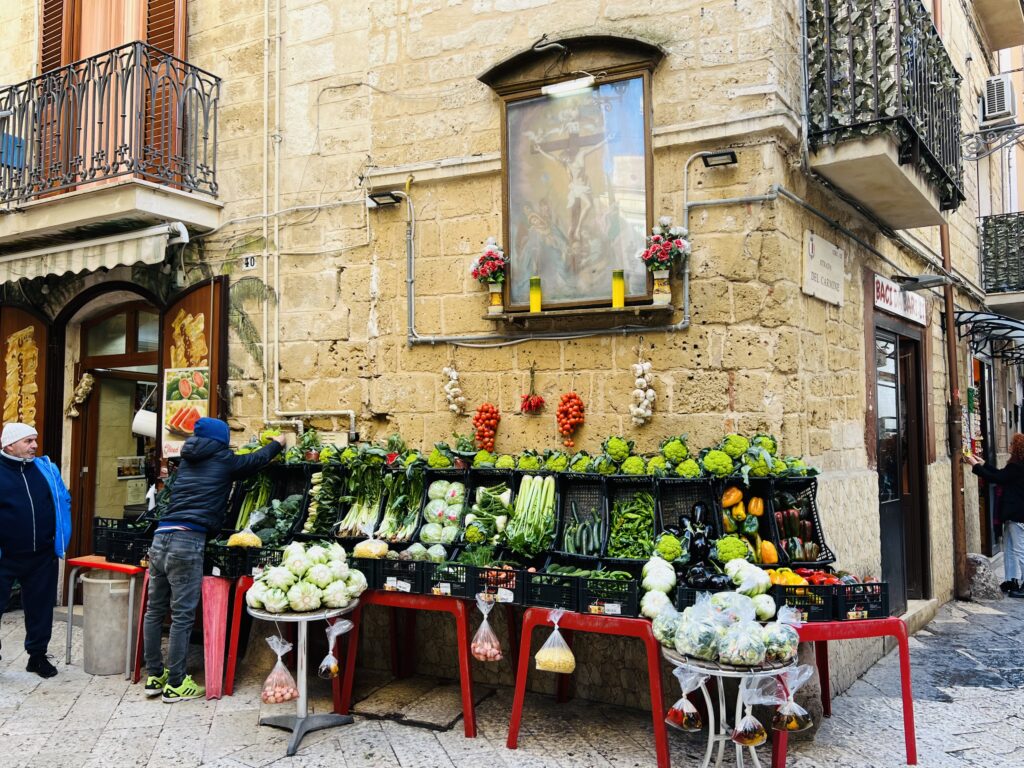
(739,513)
(755,506)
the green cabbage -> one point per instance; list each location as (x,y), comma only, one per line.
(449,534)
(431,533)
(437,554)
(434,512)
(455,494)
(437,489)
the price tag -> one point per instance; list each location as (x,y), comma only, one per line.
(505,595)
(612,609)
(215,571)
(444,588)
(391,584)
(403,586)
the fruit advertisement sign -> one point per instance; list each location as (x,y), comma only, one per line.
(186,399)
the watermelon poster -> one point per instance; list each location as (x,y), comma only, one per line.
(186,400)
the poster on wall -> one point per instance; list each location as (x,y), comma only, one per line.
(23,356)
(186,400)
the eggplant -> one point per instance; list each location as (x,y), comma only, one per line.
(700,513)
(685,522)
(719,582)
(698,576)
(700,547)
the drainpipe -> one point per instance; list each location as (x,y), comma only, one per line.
(961,583)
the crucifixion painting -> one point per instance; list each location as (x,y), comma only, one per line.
(577,193)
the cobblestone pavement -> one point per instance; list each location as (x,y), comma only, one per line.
(967,673)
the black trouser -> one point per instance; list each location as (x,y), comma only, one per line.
(37,575)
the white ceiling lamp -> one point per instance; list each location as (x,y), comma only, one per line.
(566,87)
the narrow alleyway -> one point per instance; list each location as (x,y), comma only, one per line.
(968,675)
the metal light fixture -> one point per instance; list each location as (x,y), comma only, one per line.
(920,282)
(382,199)
(566,87)
(720,158)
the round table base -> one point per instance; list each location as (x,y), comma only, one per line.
(300,726)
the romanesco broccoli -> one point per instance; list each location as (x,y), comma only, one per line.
(604,465)
(505,461)
(688,468)
(778,467)
(437,460)
(483,458)
(796,465)
(580,462)
(618,448)
(556,461)
(674,449)
(668,547)
(656,465)
(757,461)
(730,548)
(633,465)
(735,445)
(767,442)
(348,454)
(717,463)
(528,460)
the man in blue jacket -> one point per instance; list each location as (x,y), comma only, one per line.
(197,507)
(35,526)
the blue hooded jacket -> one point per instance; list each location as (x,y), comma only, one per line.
(21,487)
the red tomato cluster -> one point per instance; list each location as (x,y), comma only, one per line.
(570,416)
(531,403)
(486,423)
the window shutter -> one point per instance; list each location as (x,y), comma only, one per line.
(165,26)
(52,42)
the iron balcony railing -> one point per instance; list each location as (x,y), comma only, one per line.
(879,66)
(1002,252)
(130,111)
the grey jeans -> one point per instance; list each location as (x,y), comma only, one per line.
(175,582)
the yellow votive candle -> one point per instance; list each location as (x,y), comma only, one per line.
(618,289)
(535,294)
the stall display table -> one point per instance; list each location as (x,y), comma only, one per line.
(719,732)
(302,722)
(821,632)
(599,624)
(98,562)
(453,605)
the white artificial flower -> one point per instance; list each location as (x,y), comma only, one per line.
(665,221)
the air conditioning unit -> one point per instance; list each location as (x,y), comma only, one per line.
(997,103)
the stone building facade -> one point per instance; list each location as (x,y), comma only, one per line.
(324,101)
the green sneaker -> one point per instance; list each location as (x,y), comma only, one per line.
(187,690)
(155,685)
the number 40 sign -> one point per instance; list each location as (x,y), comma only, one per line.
(249,261)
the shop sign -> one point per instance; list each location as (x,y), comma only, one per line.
(824,273)
(907,304)
(186,400)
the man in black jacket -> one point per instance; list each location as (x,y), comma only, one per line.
(197,507)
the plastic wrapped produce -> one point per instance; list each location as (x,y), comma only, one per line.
(279,686)
(699,630)
(790,716)
(664,626)
(753,691)
(556,655)
(732,607)
(485,645)
(781,637)
(683,714)
(329,666)
(742,645)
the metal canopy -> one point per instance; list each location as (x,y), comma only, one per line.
(1004,334)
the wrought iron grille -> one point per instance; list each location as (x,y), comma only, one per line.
(130,111)
(879,66)
(1002,252)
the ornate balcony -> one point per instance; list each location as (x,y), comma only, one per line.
(1002,255)
(884,108)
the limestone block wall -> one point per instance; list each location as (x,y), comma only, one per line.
(19,42)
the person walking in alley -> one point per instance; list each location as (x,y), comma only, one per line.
(197,507)
(35,527)
(1011,510)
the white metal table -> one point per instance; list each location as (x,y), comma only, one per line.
(722,734)
(302,722)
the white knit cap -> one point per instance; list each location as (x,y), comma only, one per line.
(15,431)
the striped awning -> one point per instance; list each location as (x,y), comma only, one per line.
(145,246)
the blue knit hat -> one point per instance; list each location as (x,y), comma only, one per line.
(214,429)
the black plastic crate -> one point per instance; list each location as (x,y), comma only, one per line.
(687,596)
(586,493)
(104,527)
(678,495)
(448,580)
(286,480)
(626,487)
(804,491)
(504,585)
(813,602)
(610,597)
(552,590)
(396,483)
(221,560)
(327,519)
(758,488)
(861,601)
(402,575)
(370,568)
(518,483)
(129,547)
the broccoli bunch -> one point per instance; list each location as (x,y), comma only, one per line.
(604,465)
(675,450)
(731,548)
(716,463)
(618,448)
(688,468)
(438,459)
(483,458)
(735,445)
(528,460)
(556,461)
(505,461)
(765,442)
(657,465)
(580,462)
(633,465)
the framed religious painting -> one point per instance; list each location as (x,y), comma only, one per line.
(577,197)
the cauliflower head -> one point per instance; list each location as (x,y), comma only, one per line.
(580,462)
(633,465)
(668,547)
(618,448)
(767,442)
(657,465)
(675,450)
(735,445)
(556,461)
(688,468)
(730,548)
(717,463)
(505,461)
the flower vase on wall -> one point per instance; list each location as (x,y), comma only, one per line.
(662,289)
(496,305)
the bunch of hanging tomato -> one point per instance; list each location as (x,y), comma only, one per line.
(486,422)
(570,416)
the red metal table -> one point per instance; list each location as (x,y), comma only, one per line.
(599,624)
(452,605)
(98,562)
(820,633)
